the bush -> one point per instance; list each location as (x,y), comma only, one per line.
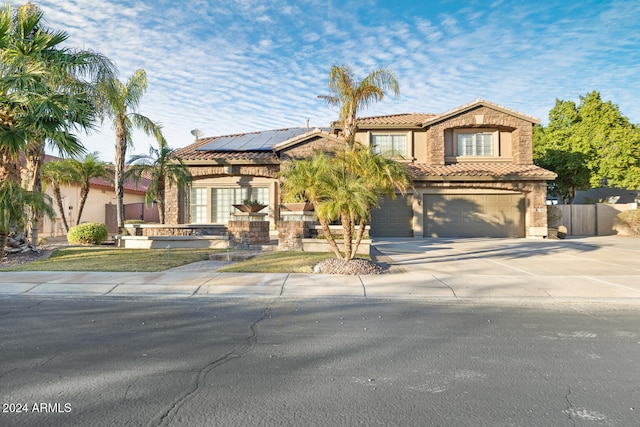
(629,220)
(89,233)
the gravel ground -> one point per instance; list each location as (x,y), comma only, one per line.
(355,266)
(40,253)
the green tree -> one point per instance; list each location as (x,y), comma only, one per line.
(587,145)
(161,166)
(352,95)
(14,200)
(347,184)
(56,174)
(119,102)
(344,186)
(83,170)
(45,93)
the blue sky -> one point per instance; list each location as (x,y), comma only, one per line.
(233,66)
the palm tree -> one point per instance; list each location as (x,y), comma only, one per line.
(13,201)
(162,167)
(84,170)
(46,93)
(119,101)
(382,176)
(56,174)
(352,95)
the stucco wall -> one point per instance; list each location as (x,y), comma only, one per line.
(94,208)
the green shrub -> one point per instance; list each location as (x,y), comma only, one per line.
(89,233)
(134,221)
(629,220)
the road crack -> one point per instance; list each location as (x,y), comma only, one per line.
(236,353)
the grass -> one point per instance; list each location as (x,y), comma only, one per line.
(114,259)
(279,262)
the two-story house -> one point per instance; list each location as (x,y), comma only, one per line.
(472,167)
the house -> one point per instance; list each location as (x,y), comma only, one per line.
(472,167)
(100,205)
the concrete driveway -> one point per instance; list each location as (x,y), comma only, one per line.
(588,268)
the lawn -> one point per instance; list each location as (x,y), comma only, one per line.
(279,262)
(96,258)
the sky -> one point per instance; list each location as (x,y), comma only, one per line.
(236,66)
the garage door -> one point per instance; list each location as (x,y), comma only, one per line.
(393,218)
(474,215)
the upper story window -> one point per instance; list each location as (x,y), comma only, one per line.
(475,144)
(390,145)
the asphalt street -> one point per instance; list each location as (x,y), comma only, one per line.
(105,361)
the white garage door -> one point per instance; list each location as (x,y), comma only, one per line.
(474,215)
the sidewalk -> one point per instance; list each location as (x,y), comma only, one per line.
(586,270)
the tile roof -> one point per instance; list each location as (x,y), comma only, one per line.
(494,170)
(410,119)
(130,185)
(478,102)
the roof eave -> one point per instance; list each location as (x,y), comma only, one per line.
(483,178)
(475,104)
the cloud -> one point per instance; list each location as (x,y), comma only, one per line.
(231,66)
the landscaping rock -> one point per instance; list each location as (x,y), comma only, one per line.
(356,266)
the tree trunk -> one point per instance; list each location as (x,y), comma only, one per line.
(84,193)
(58,195)
(121,152)
(359,235)
(345,219)
(160,195)
(35,161)
(9,166)
(327,232)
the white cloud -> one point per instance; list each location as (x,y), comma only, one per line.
(230,66)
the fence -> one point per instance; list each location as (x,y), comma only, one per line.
(592,220)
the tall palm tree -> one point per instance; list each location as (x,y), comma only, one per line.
(45,91)
(119,102)
(58,173)
(162,167)
(352,95)
(83,170)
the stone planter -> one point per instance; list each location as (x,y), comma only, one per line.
(298,206)
(249,208)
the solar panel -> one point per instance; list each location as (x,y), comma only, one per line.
(255,141)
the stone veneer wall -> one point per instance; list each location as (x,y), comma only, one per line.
(243,232)
(291,233)
(521,136)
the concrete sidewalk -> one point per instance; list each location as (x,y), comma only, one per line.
(589,269)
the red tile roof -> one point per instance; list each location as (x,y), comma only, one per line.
(493,170)
(130,185)
(410,119)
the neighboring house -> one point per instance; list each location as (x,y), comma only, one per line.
(100,205)
(472,167)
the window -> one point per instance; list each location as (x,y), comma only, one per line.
(475,144)
(223,199)
(392,145)
(198,208)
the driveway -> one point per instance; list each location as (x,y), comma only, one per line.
(589,267)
